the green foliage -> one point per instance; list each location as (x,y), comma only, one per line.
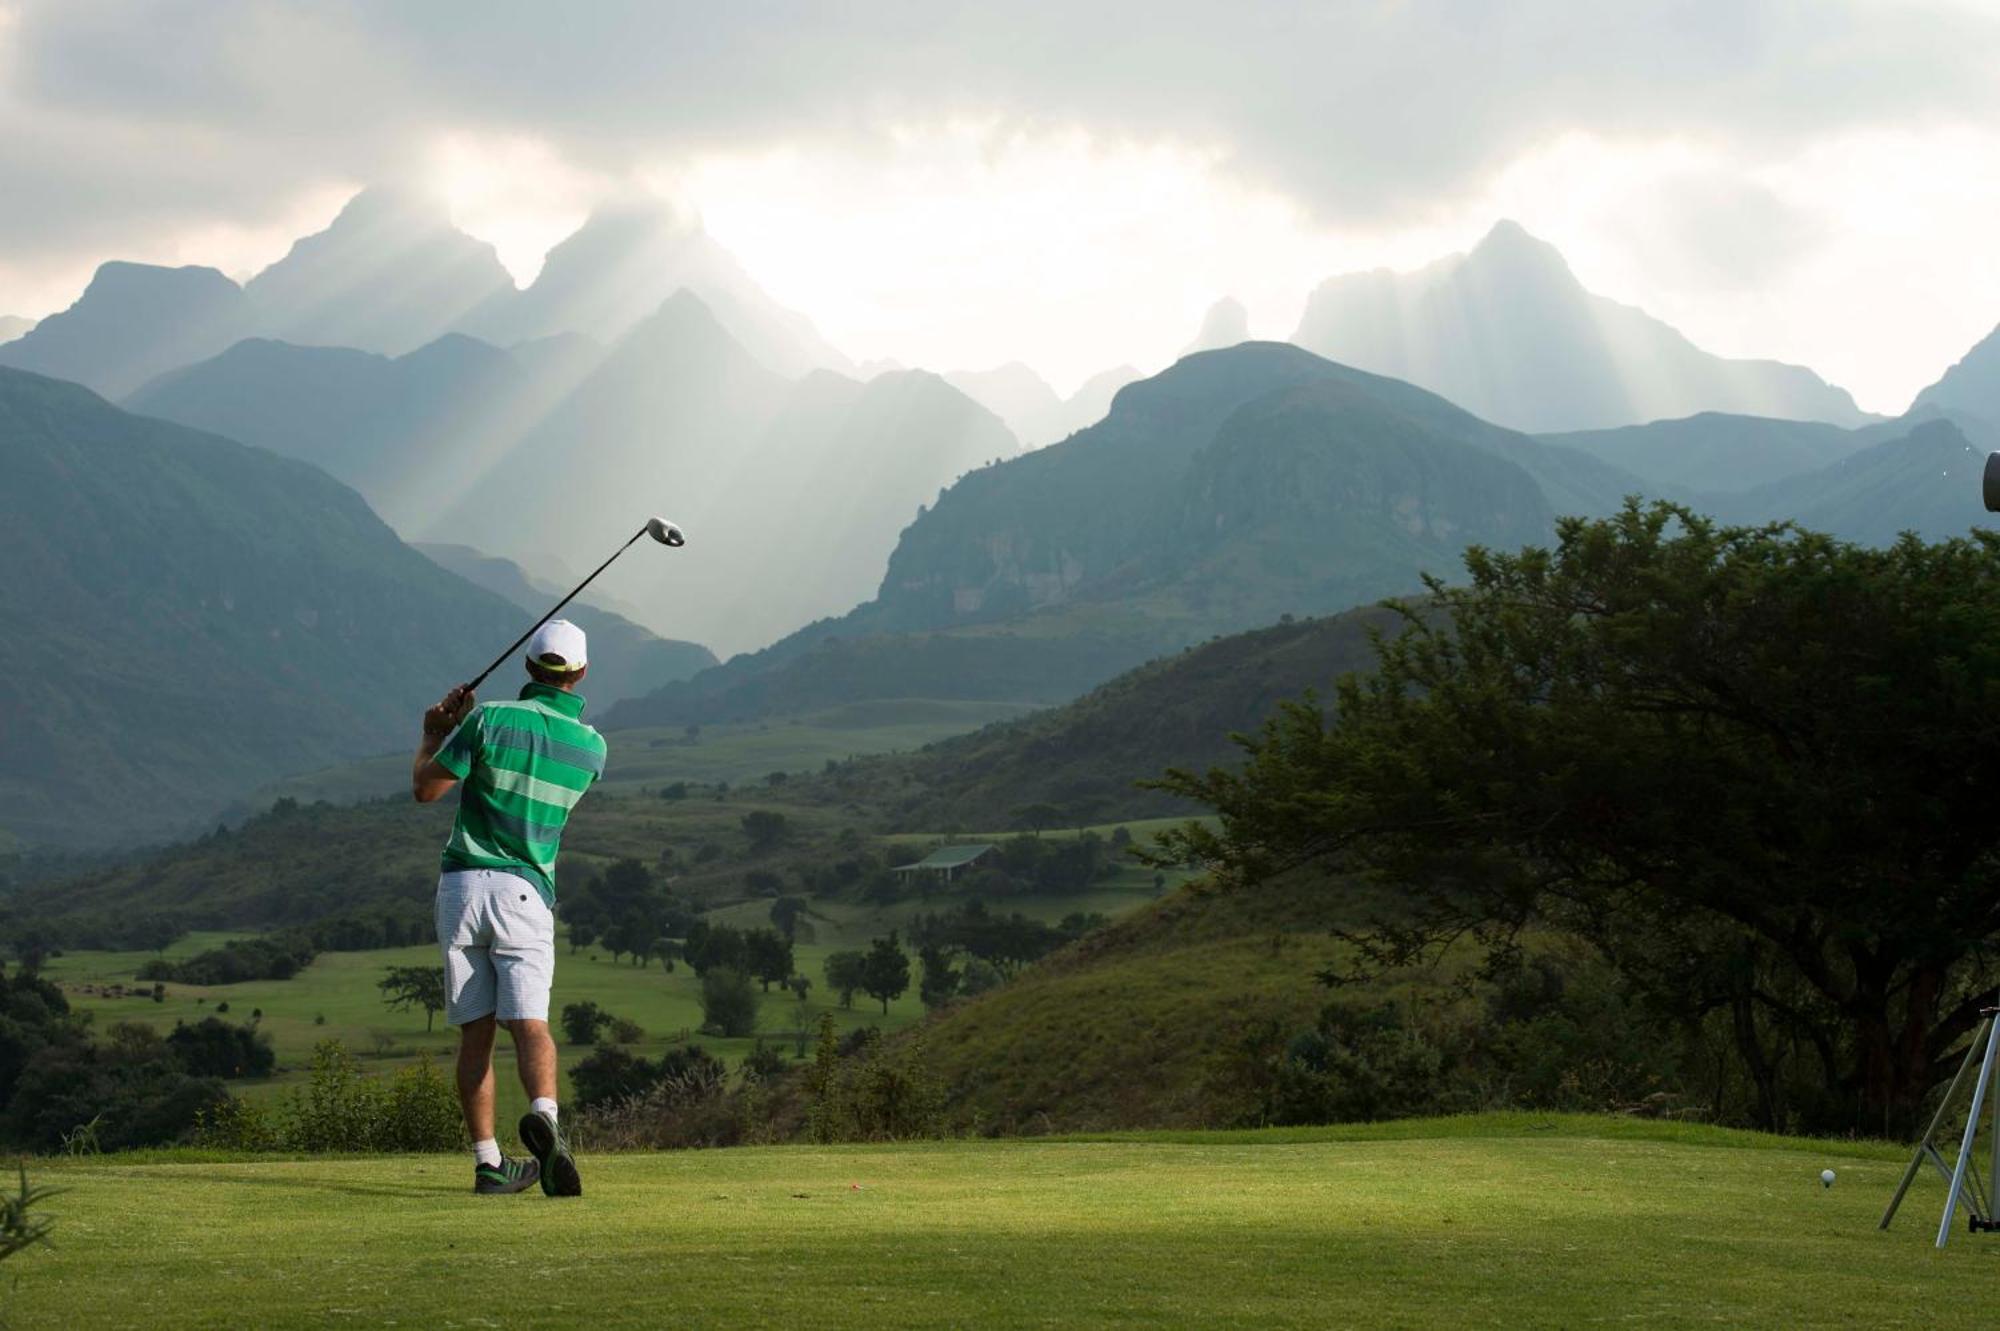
(214,1048)
(582,1021)
(21,1223)
(342,1109)
(61,1091)
(846,973)
(682,1101)
(625,910)
(406,987)
(939,981)
(728,1002)
(277,957)
(883,1091)
(885,970)
(765,828)
(1749,765)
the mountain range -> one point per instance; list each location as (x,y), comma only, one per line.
(390,274)
(792,491)
(1508,333)
(192,618)
(1237,486)
(1243,484)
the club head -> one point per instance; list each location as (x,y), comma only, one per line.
(666,533)
(1991,487)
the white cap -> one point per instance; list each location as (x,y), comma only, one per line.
(558,645)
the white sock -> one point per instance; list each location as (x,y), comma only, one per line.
(488,1152)
(541,1104)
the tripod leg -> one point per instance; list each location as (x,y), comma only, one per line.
(1924,1143)
(1958,1172)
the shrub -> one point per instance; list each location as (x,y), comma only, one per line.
(764,1062)
(878,1092)
(581,1022)
(274,957)
(728,1002)
(624,1030)
(340,1109)
(686,1109)
(214,1048)
(609,1075)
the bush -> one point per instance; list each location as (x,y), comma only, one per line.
(689,1105)
(214,1048)
(581,1022)
(275,957)
(612,1076)
(609,1075)
(728,1002)
(340,1109)
(624,1030)
(881,1091)
(765,1062)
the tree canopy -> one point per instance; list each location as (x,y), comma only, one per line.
(1755,767)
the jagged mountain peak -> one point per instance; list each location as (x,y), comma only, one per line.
(1224,325)
(1509,332)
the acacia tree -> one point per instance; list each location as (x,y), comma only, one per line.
(414,986)
(1755,767)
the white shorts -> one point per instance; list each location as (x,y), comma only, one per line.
(499,945)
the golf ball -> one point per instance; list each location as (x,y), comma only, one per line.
(1826,1178)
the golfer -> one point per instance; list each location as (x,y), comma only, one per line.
(525,764)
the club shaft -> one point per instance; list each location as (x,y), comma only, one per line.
(554,610)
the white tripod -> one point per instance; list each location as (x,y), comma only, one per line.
(1964,1181)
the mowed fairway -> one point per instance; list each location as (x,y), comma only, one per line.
(1501,1221)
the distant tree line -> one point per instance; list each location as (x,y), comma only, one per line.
(61,1089)
(271,957)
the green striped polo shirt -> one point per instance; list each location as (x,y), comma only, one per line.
(525,765)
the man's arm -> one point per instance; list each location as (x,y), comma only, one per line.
(430,779)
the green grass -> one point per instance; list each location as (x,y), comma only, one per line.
(1142,829)
(648,757)
(340,986)
(1494,1222)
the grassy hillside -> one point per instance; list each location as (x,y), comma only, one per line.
(1084,758)
(645,758)
(1501,1222)
(1136,1025)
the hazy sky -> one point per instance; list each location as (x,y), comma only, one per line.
(1067,184)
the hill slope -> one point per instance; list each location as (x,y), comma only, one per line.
(1134,1025)
(193,618)
(1085,757)
(1972,385)
(1508,333)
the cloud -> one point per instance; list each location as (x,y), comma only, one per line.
(146,129)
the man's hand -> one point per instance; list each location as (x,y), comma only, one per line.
(442,719)
(429,781)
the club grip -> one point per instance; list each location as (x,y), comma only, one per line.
(1990,488)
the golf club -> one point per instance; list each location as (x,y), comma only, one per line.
(666,533)
(1990,483)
